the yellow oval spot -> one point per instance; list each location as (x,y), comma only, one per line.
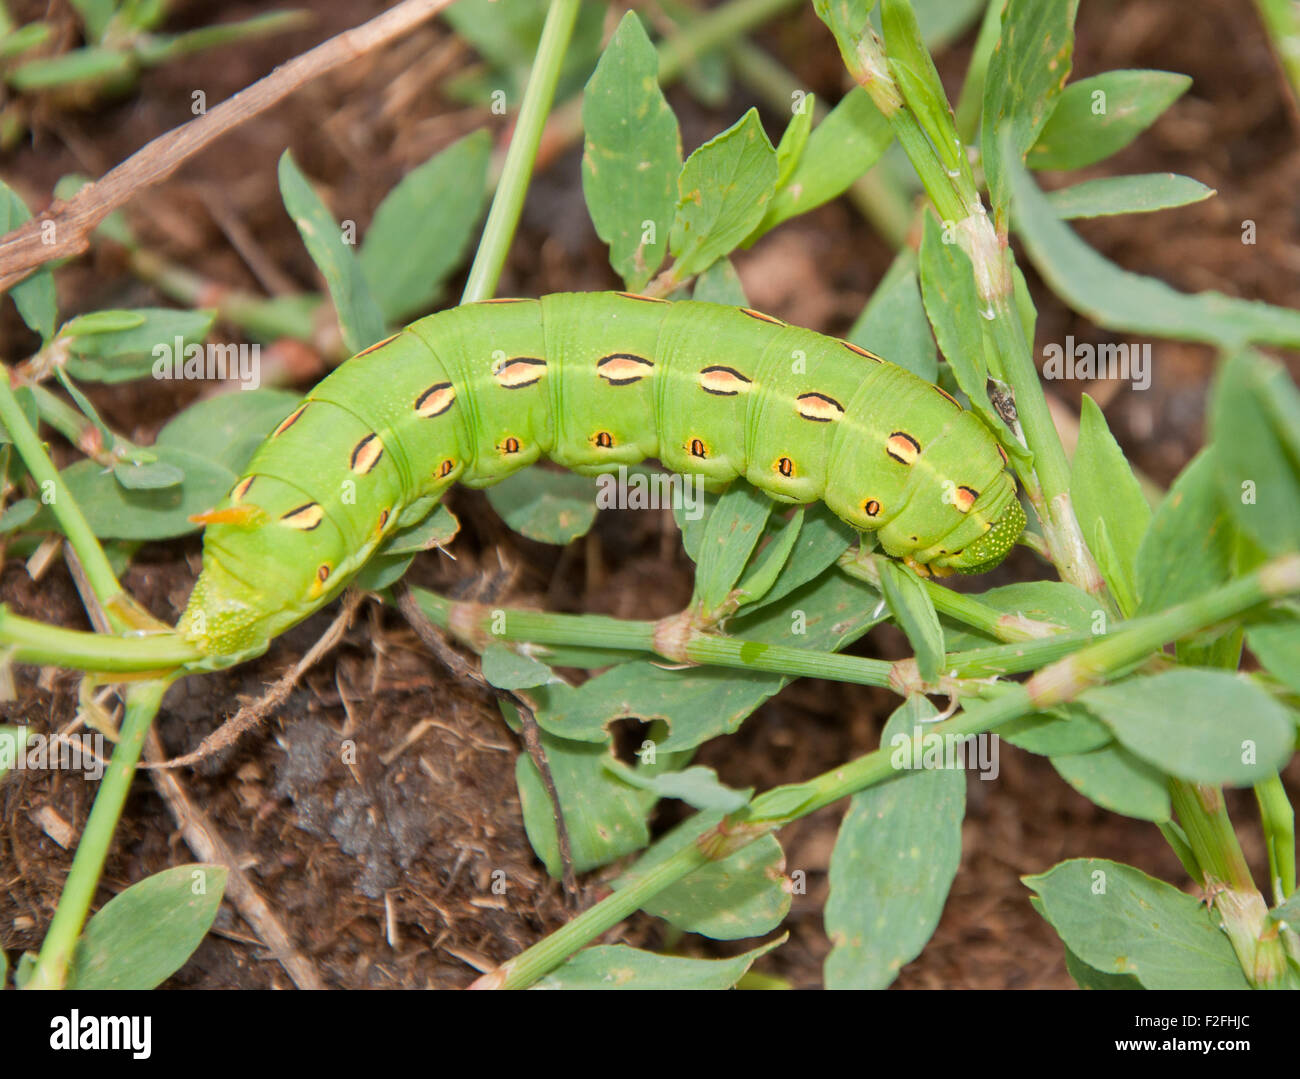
(305,517)
(903,447)
(366,454)
(520,371)
(623,368)
(435,400)
(818,407)
(723,381)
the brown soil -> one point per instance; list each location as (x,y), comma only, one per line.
(410,836)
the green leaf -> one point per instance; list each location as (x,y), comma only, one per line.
(1116,780)
(733,532)
(918,79)
(116,346)
(840,149)
(1188,547)
(696,705)
(894,860)
(142,14)
(1115,298)
(1026,75)
(546,506)
(1118,920)
(1087,977)
(34,296)
(153,49)
(915,614)
(605,818)
(794,138)
(151,476)
(1099,116)
(113,321)
(381,571)
(1140,194)
(724,189)
(505,668)
(359,316)
(1276,645)
(93,63)
(771,561)
(437,529)
(117,512)
(1200,725)
(631,155)
(226,429)
(693,526)
(720,284)
(893,324)
(697,786)
(422,228)
(17,514)
(1288,913)
(96,16)
(1255,422)
(943,21)
(16,42)
(782,803)
(741,895)
(956,314)
(1105,492)
(822,538)
(143,935)
(1064,731)
(618,966)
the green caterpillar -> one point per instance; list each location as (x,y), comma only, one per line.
(592,381)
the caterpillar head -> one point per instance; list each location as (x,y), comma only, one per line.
(993,546)
(224,615)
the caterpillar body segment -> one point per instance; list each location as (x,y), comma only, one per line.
(592,381)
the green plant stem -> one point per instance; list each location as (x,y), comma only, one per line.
(1282,21)
(1227,881)
(950,184)
(962,608)
(720,26)
(970,100)
(71,424)
(548,953)
(508,202)
(1051,470)
(1278,819)
(783,659)
(27,641)
(477,625)
(681,639)
(1177,840)
(1054,684)
(103,581)
(259,317)
(51,969)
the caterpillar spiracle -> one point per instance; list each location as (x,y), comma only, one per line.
(591,381)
